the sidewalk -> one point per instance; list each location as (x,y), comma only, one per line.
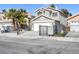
(24,35)
(37,37)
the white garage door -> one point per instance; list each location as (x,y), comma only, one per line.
(74,28)
(0,26)
(36,27)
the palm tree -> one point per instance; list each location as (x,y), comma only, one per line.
(52,5)
(11,14)
(17,16)
(22,10)
(4,10)
(70,14)
(66,12)
(21,15)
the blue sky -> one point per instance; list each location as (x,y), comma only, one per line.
(73,8)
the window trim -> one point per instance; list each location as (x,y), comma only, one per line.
(54,14)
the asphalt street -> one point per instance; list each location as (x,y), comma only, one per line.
(35,46)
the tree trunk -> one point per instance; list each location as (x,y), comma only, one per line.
(14,24)
(18,27)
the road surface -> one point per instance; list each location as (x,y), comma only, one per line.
(35,46)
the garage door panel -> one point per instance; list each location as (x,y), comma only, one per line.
(36,27)
(74,28)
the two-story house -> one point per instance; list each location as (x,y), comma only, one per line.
(73,23)
(49,21)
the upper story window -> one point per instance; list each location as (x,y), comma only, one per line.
(44,12)
(39,13)
(54,14)
(72,22)
(50,13)
(75,22)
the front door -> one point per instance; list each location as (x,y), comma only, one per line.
(56,30)
(43,30)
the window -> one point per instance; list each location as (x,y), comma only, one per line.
(39,13)
(75,22)
(72,22)
(44,12)
(54,14)
(50,13)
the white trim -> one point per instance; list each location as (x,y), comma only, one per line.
(73,15)
(42,16)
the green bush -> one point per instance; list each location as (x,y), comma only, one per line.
(60,34)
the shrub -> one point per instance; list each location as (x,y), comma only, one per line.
(60,34)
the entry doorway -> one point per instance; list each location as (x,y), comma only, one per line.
(43,30)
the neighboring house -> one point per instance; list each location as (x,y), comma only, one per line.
(30,17)
(49,21)
(73,23)
(5,23)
